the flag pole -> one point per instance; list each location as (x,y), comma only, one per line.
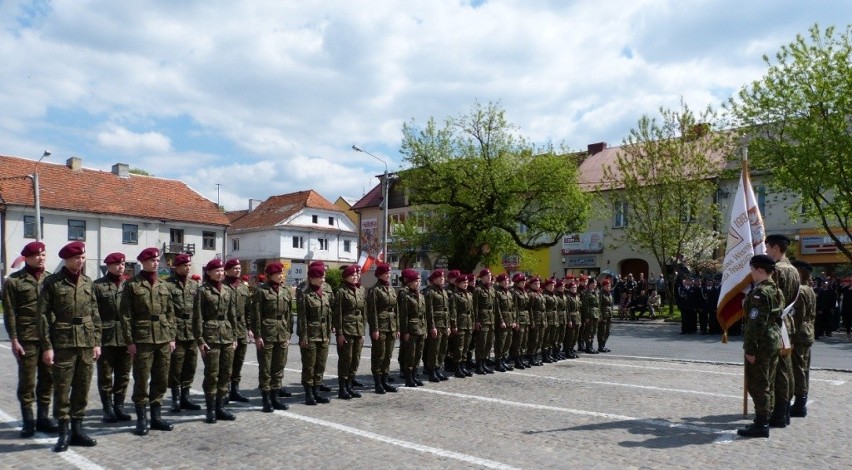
(747,180)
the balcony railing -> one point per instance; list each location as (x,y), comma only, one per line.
(178,248)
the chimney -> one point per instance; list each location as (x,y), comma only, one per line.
(74,163)
(253,203)
(122,170)
(596,148)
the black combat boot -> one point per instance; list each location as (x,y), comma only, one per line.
(499,366)
(787,414)
(309,395)
(323,388)
(319,398)
(175,400)
(43,423)
(459,371)
(353,382)
(377,384)
(106,403)
(409,378)
(157,422)
(488,369)
(235,394)
(342,391)
(221,413)
(28,428)
(351,389)
(387,386)
(186,402)
(590,347)
(507,363)
(141,421)
(78,436)
(210,401)
(466,370)
(433,375)
(480,369)
(282,392)
(62,443)
(545,356)
(778,419)
(276,403)
(118,407)
(760,428)
(442,375)
(800,407)
(267,404)
(416,378)
(603,348)
(519,364)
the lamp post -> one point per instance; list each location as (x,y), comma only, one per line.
(37,196)
(384,201)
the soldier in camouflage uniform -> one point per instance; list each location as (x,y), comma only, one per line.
(184,358)
(484,305)
(520,300)
(242,309)
(314,316)
(761,342)
(461,325)
(347,320)
(575,319)
(272,324)
(787,279)
(20,316)
(804,315)
(505,324)
(549,320)
(412,325)
(383,322)
(607,307)
(69,323)
(214,321)
(590,303)
(537,321)
(114,364)
(149,332)
(437,324)
(327,290)
(561,320)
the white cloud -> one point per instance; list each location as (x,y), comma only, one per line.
(123,140)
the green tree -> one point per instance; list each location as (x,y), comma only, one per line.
(138,171)
(797,118)
(488,190)
(662,182)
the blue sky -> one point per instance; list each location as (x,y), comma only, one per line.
(267,97)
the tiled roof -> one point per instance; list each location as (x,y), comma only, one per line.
(233,216)
(276,209)
(372,199)
(102,192)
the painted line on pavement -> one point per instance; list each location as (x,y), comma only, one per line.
(69,455)
(635,366)
(646,387)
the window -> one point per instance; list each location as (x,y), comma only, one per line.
(208,240)
(30,226)
(395,221)
(129,234)
(761,199)
(347,246)
(76,229)
(620,214)
(176,236)
(323,244)
(315,219)
(298,242)
(235,244)
(331,221)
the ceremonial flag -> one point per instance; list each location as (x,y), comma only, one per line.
(745,239)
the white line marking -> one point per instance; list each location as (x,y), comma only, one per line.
(595,414)
(646,387)
(69,455)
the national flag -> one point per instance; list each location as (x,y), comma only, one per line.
(745,239)
(366,261)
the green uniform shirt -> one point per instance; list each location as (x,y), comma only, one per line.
(786,277)
(590,303)
(20,305)
(242,308)
(461,310)
(381,309)
(272,313)
(147,311)
(214,317)
(108,297)
(437,307)
(762,307)
(68,313)
(805,315)
(314,315)
(607,304)
(484,303)
(183,298)
(521,301)
(412,312)
(572,306)
(350,305)
(537,308)
(505,311)
(549,308)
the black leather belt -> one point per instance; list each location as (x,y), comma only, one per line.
(155,318)
(221,317)
(77,321)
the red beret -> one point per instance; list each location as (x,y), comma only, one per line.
(436,274)
(214,263)
(261,278)
(316,263)
(245,278)
(32,248)
(484,272)
(570,276)
(114,258)
(148,253)
(534,279)
(461,278)
(316,271)
(382,268)
(182,259)
(274,267)
(72,249)
(409,275)
(571,284)
(559,283)
(231,263)
(454,273)
(501,278)
(605,282)
(519,277)
(350,270)
(549,281)
(471,278)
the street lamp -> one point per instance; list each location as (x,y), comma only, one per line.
(384,201)
(37,196)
